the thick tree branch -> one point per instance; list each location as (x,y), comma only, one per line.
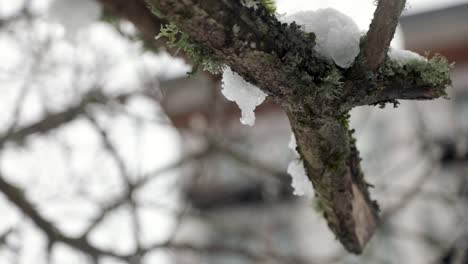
(280,60)
(249,42)
(136,11)
(415,80)
(140,15)
(294,71)
(333,165)
(381,31)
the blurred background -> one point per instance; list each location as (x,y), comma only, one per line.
(109,153)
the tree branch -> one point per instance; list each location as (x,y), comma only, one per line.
(381,31)
(332,163)
(281,61)
(56,120)
(140,15)
(216,249)
(249,42)
(17,197)
(415,80)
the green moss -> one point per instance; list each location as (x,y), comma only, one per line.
(343,119)
(332,158)
(201,56)
(335,161)
(269,5)
(110,18)
(436,71)
(318,205)
(169,31)
(332,84)
(154,10)
(389,68)
(352,140)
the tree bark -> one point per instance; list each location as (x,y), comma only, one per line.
(381,31)
(281,61)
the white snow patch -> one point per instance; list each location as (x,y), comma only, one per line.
(246,95)
(300,182)
(337,35)
(75,15)
(404,56)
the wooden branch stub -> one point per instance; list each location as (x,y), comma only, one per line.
(381,31)
(332,164)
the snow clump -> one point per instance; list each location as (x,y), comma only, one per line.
(246,95)
(337,35)
(300,182)
(404,56)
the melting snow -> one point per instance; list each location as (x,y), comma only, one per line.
(246,95)
(300,182)
(404,56)
(337,35)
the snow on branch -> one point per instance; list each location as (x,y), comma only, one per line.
(300,182)
(404,56)
(337,35)
(246,95)
(299,65)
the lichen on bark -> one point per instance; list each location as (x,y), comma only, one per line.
(315,93)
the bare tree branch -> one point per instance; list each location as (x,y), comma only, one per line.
(258,257)
(109,146)
(250,41)
(56,120)
(295,79)
(140,15)
(381,31)
(119,201)
(4,236)
(17,197)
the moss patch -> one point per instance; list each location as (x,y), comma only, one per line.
(201,56)
(436,71)
(332,84)
(269,5)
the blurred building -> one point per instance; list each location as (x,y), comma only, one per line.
(444,31)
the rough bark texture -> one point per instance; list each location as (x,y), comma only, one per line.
(381,31)
(280,60)
(332,163)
